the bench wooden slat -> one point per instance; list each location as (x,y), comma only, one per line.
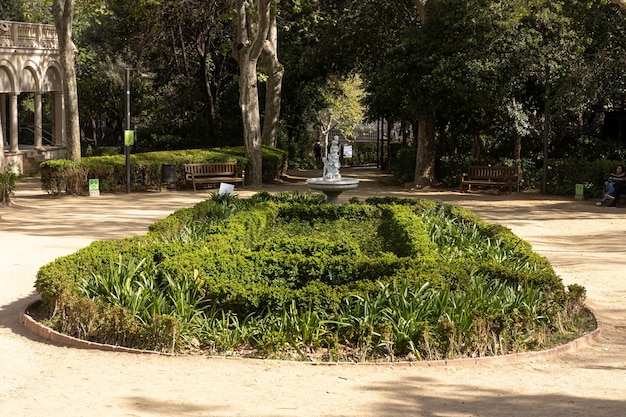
(213,172)
(491,176)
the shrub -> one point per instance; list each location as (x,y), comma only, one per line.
(564,174)
(66,176)
(7,184)
(280,273)
(402,163)
(403,232)
(63,175)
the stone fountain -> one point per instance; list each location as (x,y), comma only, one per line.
(331,183)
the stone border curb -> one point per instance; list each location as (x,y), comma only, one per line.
(48,334)
(52,335)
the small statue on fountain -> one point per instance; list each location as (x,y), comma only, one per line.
(331,162)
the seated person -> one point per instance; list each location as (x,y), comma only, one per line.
(613,187)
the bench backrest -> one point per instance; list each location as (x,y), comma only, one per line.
(486,172)
(211,168)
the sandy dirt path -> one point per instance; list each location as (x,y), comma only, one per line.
(38,378)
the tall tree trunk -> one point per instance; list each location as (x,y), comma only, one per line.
(94,131)
(425,164)
(517,148)
(517,140)
(251,37)
(476,146)
(249,103)
(425,161)
(274,84)
(63,11)
(207,83)
(422,8)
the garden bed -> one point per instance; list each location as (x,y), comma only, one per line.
(291,277)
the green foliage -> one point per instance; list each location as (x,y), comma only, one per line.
(11,11)
(343,106)
(389,278)
(296,197)
(129,305)
(403,233)
(564,174)
(364,153)
(274,160)
(308,246)
(59,176)
(451,167)
(93,320)
(402,162)
(7,184)
(326,212)
(63,175)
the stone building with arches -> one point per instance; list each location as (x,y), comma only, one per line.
(32,121)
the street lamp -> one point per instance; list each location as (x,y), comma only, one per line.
(129,136)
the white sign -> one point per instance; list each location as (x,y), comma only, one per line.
(347,151)
(226,188)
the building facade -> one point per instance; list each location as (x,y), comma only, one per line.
(30,69)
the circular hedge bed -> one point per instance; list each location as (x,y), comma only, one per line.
(290,276)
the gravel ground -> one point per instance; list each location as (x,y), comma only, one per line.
(37,378)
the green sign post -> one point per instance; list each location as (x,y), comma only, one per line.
(129,137)
(129,140)
(580,192)
(94,187)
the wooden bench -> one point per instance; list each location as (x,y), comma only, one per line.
(491,176)
(213,173)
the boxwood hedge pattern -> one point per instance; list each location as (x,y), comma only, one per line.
(292,276)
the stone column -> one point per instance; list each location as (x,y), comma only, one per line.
(3,115)
(38,128)
(13,130)
(3,109)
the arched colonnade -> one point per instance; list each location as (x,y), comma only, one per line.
(29,63)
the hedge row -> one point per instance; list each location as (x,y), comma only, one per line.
(58,176)
(240,261)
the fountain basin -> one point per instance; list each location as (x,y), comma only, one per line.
(332,188)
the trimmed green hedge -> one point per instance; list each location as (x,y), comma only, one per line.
(403,232)
(270,254)
(59,176)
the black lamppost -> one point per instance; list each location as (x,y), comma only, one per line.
(128,145)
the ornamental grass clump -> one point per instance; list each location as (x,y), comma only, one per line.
(292,277)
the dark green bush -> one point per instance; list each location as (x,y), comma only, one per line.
(58,278)
(564,174)
(413,276)
(326,212)
(59,176)
(99,322)
(274,160)
(63,175)
(403,233)
(7,183)
(402,163)
(309,246)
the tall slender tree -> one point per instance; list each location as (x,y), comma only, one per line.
(275,71)
(425,160)
(63,12)
(253,26)
(343,109)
